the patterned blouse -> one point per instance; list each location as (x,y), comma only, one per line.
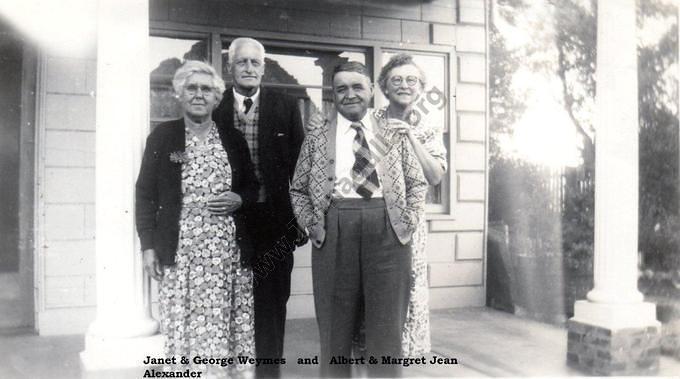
(427,133)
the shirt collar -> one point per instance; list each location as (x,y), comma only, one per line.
(344,125)
(239,98)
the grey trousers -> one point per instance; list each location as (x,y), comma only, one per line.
(361,266)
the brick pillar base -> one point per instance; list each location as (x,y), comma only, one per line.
(602,351)
(670,339)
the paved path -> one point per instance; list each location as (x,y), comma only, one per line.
(486,343)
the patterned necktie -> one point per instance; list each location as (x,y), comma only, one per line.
(247,102)
(364,176)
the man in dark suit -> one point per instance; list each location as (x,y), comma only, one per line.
(272,127)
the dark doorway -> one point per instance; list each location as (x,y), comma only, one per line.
(17,112)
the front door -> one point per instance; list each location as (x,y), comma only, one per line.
(17,110)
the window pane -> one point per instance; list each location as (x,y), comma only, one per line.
(433,103)
(166,56)
(306,67)
(302,73)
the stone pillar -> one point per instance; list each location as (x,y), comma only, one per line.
(123,333)
(614,332)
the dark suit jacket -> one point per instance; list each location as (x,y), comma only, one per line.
(159,192)
(280,136)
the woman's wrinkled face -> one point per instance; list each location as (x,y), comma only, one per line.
(404,85)
(198,98)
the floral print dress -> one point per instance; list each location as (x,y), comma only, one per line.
(206,298)
(416,333)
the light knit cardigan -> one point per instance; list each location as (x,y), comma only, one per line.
(403,183)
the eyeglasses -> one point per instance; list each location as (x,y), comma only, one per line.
(411,80)
(192,89)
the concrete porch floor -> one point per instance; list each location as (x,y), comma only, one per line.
(485,342)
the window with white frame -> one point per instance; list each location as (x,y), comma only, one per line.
(304,72)
(432,104)
(301,72)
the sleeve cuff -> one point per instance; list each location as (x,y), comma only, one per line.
(146,240)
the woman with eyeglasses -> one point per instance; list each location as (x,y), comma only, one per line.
(402,82)
(195,180)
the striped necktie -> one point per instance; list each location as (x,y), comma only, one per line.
(364,176)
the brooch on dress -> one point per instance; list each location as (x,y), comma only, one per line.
(178,157)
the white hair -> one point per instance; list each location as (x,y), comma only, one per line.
(238,42)
(197,67)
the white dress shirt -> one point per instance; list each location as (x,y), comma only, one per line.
(238,99)
(344,156)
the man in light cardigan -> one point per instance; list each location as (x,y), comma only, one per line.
(358,191)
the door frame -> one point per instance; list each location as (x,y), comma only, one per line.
(27,174)
(25,276)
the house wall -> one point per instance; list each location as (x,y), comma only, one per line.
(456,248)
(66,192)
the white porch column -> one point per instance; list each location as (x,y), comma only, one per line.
(616,164)
(123,333)
(615,312)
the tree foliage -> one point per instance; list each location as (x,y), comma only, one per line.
(574,26)
(576,40)
(659,221)
(505,106)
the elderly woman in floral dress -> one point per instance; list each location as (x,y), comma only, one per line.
(402,81)
(196,178)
